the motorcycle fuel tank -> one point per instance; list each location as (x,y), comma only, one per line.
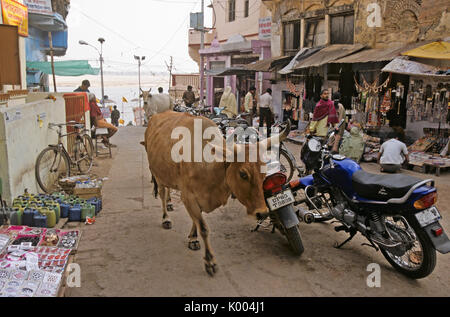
(341,174)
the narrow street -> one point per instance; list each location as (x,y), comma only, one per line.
(128,253)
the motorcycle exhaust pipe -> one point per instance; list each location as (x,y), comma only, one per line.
(306,216)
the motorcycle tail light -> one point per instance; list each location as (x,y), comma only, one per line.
(437,231)
(274,183)
(426,201)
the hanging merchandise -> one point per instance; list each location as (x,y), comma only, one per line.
(428,102)
(293,89)
(386,104)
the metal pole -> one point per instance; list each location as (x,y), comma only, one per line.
(101,70)
(50,41)
(202,62)
(140,106)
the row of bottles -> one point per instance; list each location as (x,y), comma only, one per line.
(45,211)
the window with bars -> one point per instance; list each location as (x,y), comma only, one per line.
(247,8)
(231,10)
(291,38)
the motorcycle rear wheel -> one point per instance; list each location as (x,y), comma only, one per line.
(427,254)
(295,240)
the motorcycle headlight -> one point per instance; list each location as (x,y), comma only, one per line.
(314,145)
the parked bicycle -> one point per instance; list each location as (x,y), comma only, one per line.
(55,162)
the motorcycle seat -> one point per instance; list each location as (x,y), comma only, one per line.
(382,187)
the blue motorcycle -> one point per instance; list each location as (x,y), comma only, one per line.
(396,213)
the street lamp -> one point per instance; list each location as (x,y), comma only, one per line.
(101,40)
(139,59)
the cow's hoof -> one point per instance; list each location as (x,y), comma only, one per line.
(194,245)
(167,224)
(170,207)
(211,268)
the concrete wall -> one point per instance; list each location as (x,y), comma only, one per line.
(21,141)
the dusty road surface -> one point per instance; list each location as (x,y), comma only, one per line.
(128,253)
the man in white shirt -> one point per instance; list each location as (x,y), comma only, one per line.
(266,111)
(393,154)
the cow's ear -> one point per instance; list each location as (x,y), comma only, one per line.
(150,95)
(141,95)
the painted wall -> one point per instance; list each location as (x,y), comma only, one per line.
(241,25)
(22,140)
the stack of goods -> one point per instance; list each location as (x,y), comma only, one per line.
(33,260)
(45,211)
(82,186)
(42,211)
(371,149)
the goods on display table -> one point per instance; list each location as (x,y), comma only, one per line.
(372,148)
(33,260)
(82,186)
(431,151)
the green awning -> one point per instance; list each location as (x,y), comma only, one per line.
(64,68)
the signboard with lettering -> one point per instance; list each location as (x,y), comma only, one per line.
(265,28)
(39,6)
(15,13)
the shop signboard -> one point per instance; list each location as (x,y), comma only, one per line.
(15,13)
(265,28)
(39,6)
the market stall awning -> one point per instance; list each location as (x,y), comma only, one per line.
(371,55)
(329,54)
(267,65)
(229,71)
(64,68)
(435,50)
(48,23)
(402,65)
(301,55)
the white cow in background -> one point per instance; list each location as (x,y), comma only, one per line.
(156,103)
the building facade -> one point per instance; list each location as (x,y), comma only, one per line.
(349,39)
(235,41)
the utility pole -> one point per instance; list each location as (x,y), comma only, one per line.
(202,62)
(139,59)
(170,68)
(50,41)
(102,40)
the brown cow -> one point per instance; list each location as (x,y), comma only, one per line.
(204,186)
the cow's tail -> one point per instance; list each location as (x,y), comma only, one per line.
(155,187)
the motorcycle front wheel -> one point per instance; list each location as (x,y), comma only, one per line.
(419,260)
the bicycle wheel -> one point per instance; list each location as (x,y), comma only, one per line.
(286,165)
(51,165)
(84,153)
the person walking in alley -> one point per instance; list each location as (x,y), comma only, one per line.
(84,86)
(228,102)
(393,154)
(98,121)
(160,90)
(115,116)
(340,111)
(266,111)
(324,116)
(189,97)
(250,105)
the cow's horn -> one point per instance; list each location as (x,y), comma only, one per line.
(267,143)
(141,90)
